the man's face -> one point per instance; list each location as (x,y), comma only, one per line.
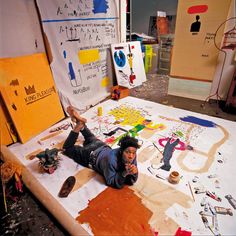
(129,154)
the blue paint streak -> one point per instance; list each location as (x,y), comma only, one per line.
(80,19)
(71,71)
(198,121)
(64,54)
(100,6)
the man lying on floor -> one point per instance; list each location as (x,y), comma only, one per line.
(117,166)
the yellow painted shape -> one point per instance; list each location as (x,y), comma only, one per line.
(156,126)
(30,95)
(127,115)
(105,81)
(88,56)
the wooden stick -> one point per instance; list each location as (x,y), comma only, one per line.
(4,195)
(191,191)
(157,148)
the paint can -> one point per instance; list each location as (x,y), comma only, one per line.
(99,111)
(174,177)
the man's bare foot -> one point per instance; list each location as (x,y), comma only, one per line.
(75,117)
(79,126)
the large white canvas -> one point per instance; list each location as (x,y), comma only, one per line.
(128,64)
(79,34)
(210,166)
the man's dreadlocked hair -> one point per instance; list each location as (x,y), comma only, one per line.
(128,141)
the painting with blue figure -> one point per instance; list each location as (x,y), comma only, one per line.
(100,6)
(120,58)
(198,121)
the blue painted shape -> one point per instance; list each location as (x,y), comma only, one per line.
(119,58)
(100,6)
(64,54)
(71,71)
(198,121)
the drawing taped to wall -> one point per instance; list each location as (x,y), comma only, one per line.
(128,63)
(195,38)
(79,35)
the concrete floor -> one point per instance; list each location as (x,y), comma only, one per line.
(27,216)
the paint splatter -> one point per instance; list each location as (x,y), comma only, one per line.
(117,212)
(100,6)
(71,71)
(197,9)
(198,121)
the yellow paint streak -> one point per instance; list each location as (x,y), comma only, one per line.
(88,56)
(127,115)
(51,135)
(32,155)
(82,177)
(105,82)
(210,154)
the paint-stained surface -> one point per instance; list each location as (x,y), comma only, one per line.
(157,196)
(152,204)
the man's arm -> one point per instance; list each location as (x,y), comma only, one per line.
(112,177)
(118,179)
(131,173)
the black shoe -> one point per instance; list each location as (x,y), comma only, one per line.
(67,186)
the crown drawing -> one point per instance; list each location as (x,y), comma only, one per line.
(30,90)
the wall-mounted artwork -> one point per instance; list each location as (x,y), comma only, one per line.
(79,35)
(194,54)
(128,63)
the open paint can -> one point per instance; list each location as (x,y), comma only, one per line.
(174,177)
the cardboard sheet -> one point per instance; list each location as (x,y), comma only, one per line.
(194,54)
(30,95)
(204,159)
(128,64)
(7,135)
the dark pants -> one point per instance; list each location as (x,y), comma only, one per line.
(81,154)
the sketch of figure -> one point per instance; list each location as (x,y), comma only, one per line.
(168,151)
(167,154)
(195,26)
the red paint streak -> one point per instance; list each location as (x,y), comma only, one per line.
(197,9)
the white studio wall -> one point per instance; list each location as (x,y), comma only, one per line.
(20,29)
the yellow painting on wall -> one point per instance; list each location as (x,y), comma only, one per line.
(30,95)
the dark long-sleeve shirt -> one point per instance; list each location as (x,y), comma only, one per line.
(110,165)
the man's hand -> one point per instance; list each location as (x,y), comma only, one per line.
(131,169)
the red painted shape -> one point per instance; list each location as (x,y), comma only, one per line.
(197,9)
